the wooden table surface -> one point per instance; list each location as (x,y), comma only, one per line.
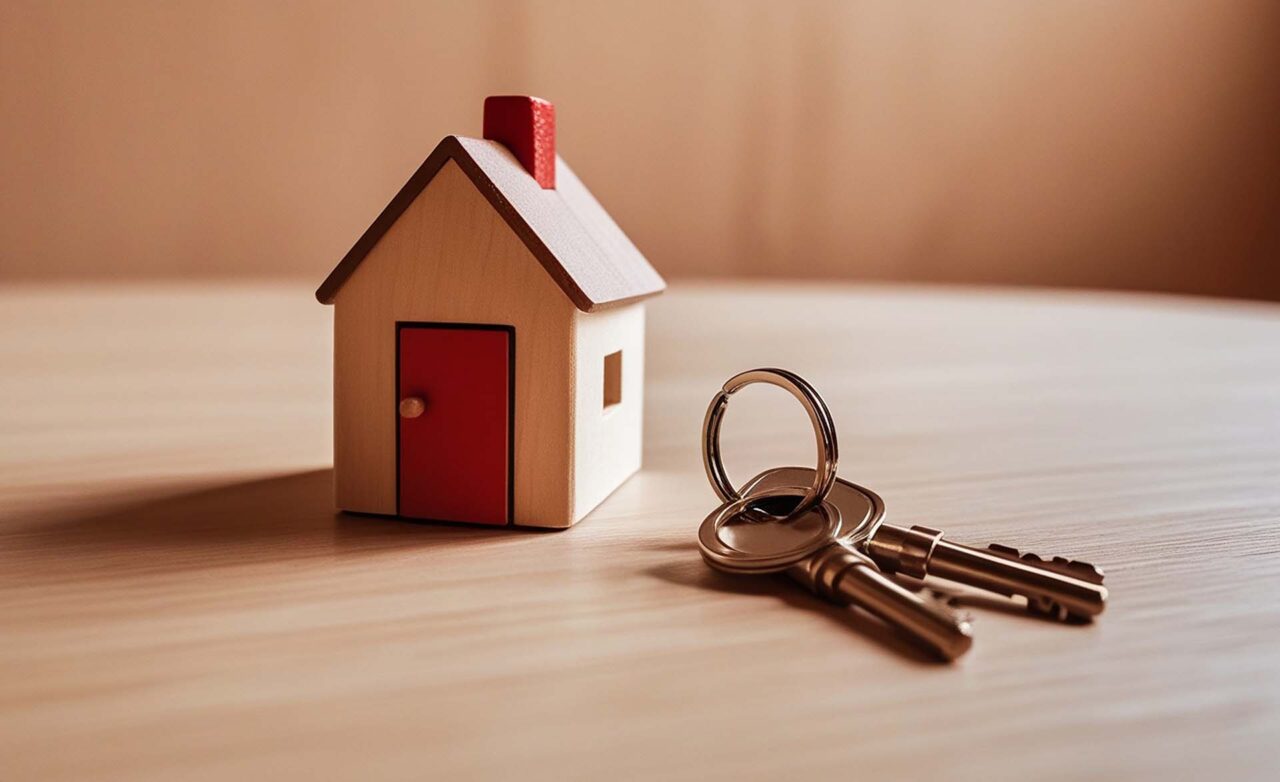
(179,601)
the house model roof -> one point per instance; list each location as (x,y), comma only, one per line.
(565,228)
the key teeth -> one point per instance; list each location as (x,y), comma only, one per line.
(941,598)
(1067,567)
(947,600)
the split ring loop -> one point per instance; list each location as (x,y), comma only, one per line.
(823,429)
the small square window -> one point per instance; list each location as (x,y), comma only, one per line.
(612,379)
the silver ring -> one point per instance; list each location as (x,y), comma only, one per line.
(823,429)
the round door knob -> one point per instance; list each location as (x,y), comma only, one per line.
(412,407)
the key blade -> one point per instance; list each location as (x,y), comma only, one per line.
(1071,568)
(1067,567)
(844,575)
(1060,589)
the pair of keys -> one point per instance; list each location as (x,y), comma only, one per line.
(830,535)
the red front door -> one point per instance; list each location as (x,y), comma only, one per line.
(454,409)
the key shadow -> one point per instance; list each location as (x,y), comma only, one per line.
(234,523)
(697,575)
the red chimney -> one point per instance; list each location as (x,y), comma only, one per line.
(527,126)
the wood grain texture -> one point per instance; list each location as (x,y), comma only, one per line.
(178,599)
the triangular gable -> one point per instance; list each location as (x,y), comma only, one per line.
(565,228)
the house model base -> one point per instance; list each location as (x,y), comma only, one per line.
(489,338)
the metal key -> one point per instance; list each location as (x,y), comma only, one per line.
(1059,588)
(809,549)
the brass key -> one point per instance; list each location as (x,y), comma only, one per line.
(1058,588)
(807,547)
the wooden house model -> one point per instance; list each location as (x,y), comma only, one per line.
(489,338)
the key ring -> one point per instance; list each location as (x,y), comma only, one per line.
(824,430)
(782,545)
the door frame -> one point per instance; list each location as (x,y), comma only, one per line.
(511,409)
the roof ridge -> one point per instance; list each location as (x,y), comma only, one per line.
(611,290)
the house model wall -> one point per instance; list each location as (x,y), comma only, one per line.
(489,339)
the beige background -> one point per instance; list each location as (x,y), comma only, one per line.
(1098,144)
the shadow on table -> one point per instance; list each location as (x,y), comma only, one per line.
(269,519)
(697,575)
